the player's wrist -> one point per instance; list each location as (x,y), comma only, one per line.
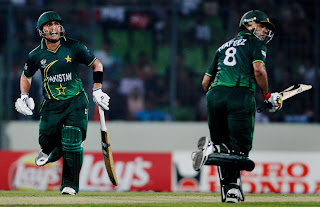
(266,96)
(24,96)
(96,89)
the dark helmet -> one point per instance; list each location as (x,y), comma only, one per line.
(256,16)
(47,17)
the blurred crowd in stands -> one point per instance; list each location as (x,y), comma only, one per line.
(138,74)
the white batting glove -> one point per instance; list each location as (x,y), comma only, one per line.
(25,104)
(100,98)
(274,101)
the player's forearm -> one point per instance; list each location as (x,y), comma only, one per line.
(97,66)
(261,76)
(206,83)
(25,84)
(263,84)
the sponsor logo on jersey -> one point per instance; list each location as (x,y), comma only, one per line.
(25,66)
(264,53)
(43,63)
(60,78)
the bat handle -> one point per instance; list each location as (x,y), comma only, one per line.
(102,120)
(266,105)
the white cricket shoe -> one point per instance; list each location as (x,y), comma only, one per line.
(233,195)
(68,190)
(200,157)
(42,158)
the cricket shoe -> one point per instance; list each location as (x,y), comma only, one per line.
(42,158)
(68,190)
(200,157)
(233,195)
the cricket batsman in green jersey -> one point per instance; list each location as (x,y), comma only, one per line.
(230,81)
(64,109)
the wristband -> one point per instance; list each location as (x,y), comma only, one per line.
(97,77)
(266,96)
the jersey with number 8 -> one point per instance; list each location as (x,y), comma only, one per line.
(232,65)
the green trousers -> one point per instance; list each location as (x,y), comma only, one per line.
(56,114)
(231,117)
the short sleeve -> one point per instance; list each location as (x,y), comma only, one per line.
(259,52)
(84,55)
(30,67)
(212,69)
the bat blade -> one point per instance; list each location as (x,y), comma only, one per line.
(108,157)
(294,90)
(106,149)
(287,93)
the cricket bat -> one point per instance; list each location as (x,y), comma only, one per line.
(288,93)
(106,149)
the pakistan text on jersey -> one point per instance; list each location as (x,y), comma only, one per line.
(60,77)
(233,43)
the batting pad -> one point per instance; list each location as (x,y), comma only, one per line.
(229,160)
(71,139)
(72,157)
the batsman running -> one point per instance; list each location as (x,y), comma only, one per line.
(64,109)
(230,81)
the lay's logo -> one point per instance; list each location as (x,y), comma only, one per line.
(24,174)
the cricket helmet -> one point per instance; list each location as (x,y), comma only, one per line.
(257,16)
(47,17)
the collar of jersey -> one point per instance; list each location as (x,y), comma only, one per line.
(44,46)
(244,33)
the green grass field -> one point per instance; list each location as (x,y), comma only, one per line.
(151,199)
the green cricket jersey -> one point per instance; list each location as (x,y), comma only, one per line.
(232,63)
(59,68)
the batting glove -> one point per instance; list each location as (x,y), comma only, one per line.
(273,101)
(101,99)
(25,104)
